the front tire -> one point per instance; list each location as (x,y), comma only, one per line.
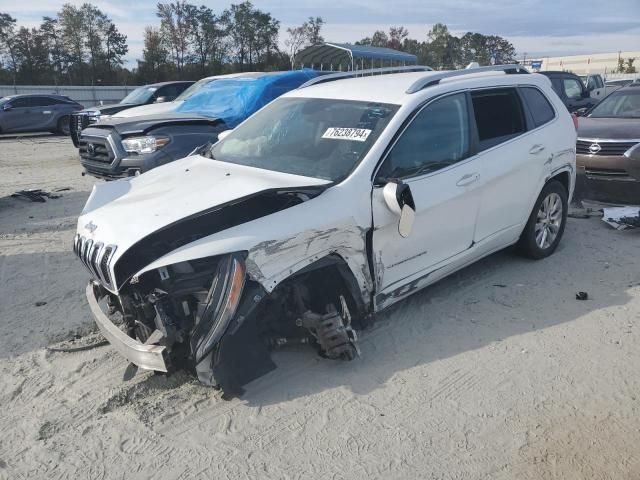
(546,223)
(63,127)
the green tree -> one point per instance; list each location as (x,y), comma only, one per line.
(176,25)
(152,68)
(115,47)
(303,36)
(253,35)
(7,43)
(52,39)
(206,37)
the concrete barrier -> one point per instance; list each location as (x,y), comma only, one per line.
(86,95)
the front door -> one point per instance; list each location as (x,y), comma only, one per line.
(433,157)
(19,116)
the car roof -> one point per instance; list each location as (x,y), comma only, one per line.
(392,88)
(558,72)
(632,87)
(241,75)
(50,95)
(162,84)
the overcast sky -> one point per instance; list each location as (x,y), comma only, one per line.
(537,27)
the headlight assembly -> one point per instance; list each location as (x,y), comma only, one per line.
(141,145)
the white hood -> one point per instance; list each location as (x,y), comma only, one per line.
(125,211)
(152,109)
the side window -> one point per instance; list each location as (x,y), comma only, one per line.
(437,137)
(599,83)
(499,116)
(20,103)
(572,88)
(540,108)
(41,102)
(170,92)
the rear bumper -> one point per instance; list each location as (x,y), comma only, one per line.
(149,357)
(614,179)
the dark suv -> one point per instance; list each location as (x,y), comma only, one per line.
(571,90)
(153,93)
(36,113)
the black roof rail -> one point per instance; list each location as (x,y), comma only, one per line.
(361,73)
(434,79)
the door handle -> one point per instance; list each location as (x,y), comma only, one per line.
(468,179)
(536,149)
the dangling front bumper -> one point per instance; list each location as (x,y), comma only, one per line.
(149,357)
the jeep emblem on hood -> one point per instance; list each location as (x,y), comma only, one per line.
(91,227)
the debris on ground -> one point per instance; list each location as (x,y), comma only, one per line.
(622,218)
(582,296)
(79,343)
(36,195)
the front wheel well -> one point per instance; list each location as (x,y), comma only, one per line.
(564,179)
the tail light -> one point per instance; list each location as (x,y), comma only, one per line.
(574,117)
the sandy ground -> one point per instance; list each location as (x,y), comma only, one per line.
(497,372)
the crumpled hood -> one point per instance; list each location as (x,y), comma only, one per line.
(125,211)
(151,109)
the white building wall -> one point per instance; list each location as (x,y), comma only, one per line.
(603,63)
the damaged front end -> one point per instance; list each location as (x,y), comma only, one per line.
(208,316)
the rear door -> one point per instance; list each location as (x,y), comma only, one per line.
(43,113)
(433,155)
(514,157)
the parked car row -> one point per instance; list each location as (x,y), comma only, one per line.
(146,95)
(136,140)
(329,204)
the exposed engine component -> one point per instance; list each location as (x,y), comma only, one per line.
(336,339)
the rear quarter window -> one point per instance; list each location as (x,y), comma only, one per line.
(499,116)
(541,110)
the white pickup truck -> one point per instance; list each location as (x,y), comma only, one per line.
(596,86)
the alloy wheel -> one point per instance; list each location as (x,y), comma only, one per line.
(549,220)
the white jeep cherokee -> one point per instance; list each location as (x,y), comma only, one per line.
(328,205)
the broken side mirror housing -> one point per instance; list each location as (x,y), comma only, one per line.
(224,134)
(398,197)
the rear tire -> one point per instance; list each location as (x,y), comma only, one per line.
(545,226)
(63,127)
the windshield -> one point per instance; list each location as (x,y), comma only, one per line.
(139,95)
(312,137)
(618,105)
(194,88)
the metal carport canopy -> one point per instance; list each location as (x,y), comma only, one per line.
(340,53)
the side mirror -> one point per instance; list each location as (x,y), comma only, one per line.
(585,94)
(398,197)
(160,100)
(581,111)
(224,134)
(6,107)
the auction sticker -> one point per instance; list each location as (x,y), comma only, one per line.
(353,134)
